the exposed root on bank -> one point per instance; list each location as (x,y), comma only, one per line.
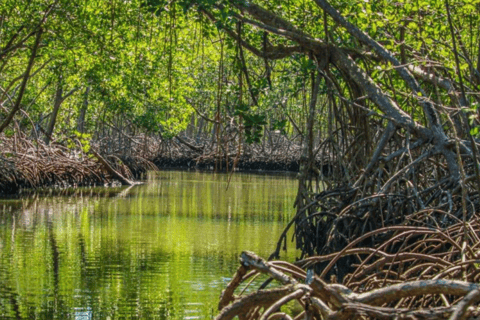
(403,239)
(412,189)
(31,164)
(422,289)
(274,153)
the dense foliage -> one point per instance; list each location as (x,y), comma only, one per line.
(140,66)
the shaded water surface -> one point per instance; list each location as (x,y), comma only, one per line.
(163,250)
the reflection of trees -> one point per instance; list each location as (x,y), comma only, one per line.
(55,263)
(114,270)
(128,256)
(12,309)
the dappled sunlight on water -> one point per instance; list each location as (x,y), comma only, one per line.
(162,250)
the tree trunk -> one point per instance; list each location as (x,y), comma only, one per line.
(53,118)
(83,111)
(16,106)
(59,99)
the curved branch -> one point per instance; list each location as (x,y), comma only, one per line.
(416,288)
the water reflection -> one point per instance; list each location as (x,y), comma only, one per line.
(163,250)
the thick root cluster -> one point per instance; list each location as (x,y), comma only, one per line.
(31,164)
(402,241)
(419,288)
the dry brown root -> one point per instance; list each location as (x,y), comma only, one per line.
(395,192)
(31,164)
(275,152)
(414,298)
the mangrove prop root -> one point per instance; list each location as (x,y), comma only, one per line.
(111,170)
(31,164)
(415,297)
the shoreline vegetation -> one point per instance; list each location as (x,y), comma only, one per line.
(28,164)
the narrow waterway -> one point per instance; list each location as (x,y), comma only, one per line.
(162,250)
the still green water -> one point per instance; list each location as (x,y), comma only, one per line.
(162,250)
